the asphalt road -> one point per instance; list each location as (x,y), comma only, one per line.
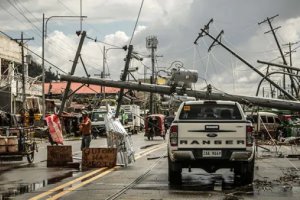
(276,177)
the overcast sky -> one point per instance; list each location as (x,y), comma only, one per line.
(176,23)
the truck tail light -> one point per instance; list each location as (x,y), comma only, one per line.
(174,135)
(249,135)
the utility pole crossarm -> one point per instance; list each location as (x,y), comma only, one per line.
(278,65)
(217,39)
(259,23)
(206,27)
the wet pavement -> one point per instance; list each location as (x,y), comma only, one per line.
(276,177)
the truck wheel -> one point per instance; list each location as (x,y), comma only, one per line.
(174,173)
(249,173)
(244,173)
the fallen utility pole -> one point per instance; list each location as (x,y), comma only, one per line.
(163,89)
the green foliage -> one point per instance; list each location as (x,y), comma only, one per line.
(35,69)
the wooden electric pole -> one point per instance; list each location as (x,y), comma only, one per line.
(21,43)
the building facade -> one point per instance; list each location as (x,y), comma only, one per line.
(11,88)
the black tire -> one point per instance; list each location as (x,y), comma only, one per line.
(249,174)
(149,137)
(244,173)
(174,173)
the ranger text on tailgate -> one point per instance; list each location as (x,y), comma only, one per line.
(211,135)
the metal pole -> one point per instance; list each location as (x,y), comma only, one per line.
(103,71)
(60,16)
(43,69)
(80,15)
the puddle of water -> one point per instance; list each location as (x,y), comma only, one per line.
(23,188)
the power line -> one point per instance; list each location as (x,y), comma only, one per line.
(96,40)
(137,20)
(34,53)
(21,13)
(61,50)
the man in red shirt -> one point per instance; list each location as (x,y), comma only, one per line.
(85,129)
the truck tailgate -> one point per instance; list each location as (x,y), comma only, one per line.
(212,135)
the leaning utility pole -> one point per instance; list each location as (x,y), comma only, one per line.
(123,78)
(293,88)
(205,31)
(151,43)
(68,86)
(290,50)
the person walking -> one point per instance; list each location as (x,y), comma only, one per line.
(85,129)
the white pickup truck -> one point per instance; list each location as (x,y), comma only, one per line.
(211,135)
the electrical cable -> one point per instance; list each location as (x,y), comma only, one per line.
(137,20)
(22,13)
(35,53)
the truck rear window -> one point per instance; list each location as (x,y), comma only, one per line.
(210,112)
(97,116)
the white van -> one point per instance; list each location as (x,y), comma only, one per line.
(264,120)
(98,123)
